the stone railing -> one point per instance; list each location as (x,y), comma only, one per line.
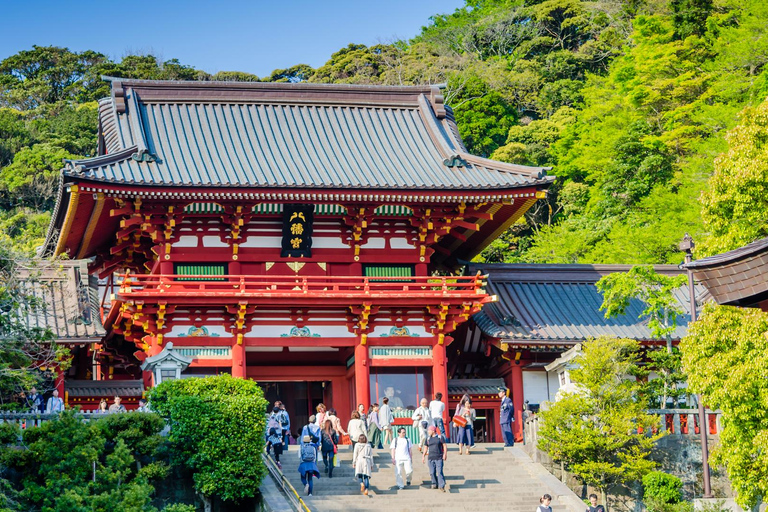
(673,422)
(33,419)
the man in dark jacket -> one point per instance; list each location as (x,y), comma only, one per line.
(506,417)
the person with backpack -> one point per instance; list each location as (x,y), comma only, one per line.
(544,502)
(285,423)
(310,441)
(401,458)
(362,460)
(329,441)
(438,453)
(312,430)
(275,436)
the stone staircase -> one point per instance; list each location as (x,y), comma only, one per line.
(492,478)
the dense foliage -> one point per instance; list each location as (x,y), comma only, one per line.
(29,355)
(629,100)
(725,358)
(68,465)
(217,432)
(662,313)
(661,491)
(601,432)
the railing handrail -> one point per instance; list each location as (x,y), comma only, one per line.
(299,285)
(290,491)
(18,415)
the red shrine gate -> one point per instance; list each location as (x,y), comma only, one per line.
(288,233)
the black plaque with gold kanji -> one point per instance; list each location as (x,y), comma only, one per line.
(297,230)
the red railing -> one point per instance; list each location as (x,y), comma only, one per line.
(299,286)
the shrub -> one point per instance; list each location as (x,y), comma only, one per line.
(661,489)
(217,432)
(179,507)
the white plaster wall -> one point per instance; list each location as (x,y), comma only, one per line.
(400,243)
(554,385)
(187,241)
(213,241)
(374,243)
(535,387)
(263,241)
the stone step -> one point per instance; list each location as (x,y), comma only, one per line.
(491,478)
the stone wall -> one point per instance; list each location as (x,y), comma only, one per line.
(678,455)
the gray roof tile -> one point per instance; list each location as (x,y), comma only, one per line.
(562,303)
(62,298)
(288,135)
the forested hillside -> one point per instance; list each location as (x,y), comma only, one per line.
(629,100)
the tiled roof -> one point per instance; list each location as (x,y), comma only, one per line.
(474,386)
(561,303)
(104,388)
(62,297)
(738,277)
(216,134)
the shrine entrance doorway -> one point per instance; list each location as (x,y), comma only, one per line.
(300,399)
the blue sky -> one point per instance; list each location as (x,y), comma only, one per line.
(254,36)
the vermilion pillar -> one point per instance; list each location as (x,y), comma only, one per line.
(362,376)
(518,400)
(238,361)
(340,398)
(440,375)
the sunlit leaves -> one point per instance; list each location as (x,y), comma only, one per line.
(726,360)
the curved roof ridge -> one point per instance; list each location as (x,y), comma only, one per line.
(746,251)
(75,167)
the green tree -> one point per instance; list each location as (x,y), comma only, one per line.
(33,175)
(735,205)
(48,74)
(663,311)
(690,17)
(601,432)
(28,354)
(217,432)
(69,465)
(725,358)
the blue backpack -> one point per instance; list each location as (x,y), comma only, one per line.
(308,452)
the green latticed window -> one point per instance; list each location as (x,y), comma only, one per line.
(200,269)
(388,271)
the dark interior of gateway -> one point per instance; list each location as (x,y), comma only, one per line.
(300,400)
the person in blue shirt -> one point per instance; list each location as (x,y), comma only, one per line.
(35,401)
(308,449)
(506,417)
(285,423)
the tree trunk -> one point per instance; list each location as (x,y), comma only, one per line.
(207,503)
(604,498)
(562,472)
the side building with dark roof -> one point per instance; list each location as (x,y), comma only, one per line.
(288,233)
(738,277)
(541,311)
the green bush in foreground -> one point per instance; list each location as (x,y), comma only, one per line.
(217,432)
(661,490)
